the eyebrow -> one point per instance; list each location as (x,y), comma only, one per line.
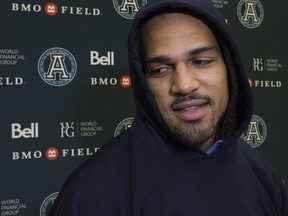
(202,49)
(191,52)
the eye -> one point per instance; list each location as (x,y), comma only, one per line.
(201,62)
(158,71)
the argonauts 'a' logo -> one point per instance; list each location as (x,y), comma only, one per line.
(57,66)
(256,132)
(47,203)
(123,126)
(128,8)
(250,13)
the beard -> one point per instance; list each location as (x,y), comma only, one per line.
(193,133)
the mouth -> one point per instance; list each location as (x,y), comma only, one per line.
(192,110)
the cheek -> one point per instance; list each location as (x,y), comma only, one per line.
(216,85)
(157,86)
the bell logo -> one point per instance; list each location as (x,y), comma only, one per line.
(52,153)
(51,9)
(96,59)
(18,132)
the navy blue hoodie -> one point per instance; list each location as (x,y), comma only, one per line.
(144,172)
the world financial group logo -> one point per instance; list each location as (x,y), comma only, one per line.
(80,129)
(269,65)
(128,8)
(220,3)
(57,66)
(250,13)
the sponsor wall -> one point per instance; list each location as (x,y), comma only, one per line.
(65,88)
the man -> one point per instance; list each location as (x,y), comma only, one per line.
(182,156)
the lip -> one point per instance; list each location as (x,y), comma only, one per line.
(191,110)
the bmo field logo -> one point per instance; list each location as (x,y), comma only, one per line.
(51,9)
(57,66)
(256,132)
(250,13)
(128,8)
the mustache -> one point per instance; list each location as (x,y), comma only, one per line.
(191,96)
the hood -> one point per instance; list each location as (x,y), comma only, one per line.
(147,109)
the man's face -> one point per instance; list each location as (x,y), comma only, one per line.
(187,75)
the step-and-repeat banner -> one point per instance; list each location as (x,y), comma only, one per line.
(65,88)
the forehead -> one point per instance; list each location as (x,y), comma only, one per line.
(163,20)
(175,31)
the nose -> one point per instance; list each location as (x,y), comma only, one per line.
(184,80)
